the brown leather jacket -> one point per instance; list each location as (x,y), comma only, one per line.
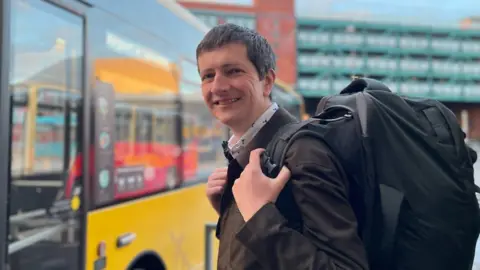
(313,227)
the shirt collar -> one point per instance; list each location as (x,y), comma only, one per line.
(236,146)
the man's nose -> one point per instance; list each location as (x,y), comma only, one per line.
(220,84)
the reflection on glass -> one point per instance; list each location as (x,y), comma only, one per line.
(203,134)
(199,158)
(45,81)
(285,100)
(155,146)
(144,83)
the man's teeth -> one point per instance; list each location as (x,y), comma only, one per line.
(225,102)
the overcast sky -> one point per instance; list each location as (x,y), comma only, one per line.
(433,11)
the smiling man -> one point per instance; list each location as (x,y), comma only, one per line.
(300,220)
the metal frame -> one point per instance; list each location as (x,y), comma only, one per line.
(86,67)
(4,127)
(209,229)
(78,9)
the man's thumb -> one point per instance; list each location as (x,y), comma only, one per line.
(283,177)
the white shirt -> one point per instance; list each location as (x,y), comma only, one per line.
(239,146)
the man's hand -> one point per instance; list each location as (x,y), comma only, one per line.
(253,189)
(215,187)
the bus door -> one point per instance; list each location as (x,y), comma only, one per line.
(42,92)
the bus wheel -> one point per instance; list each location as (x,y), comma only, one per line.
(148,262)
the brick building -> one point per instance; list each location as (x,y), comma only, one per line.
(274,19)
(319,56)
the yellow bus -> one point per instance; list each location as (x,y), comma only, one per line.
(107,142)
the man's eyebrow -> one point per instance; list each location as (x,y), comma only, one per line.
(205,70)
(227,65)
(231,65)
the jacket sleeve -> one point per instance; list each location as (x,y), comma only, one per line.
(329,239)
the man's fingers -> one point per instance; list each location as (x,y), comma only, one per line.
(282,178)
(254,161)
(216,182)
(218,175)
(214,190)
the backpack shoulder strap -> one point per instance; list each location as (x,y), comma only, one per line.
(273,158)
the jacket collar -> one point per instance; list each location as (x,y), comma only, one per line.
(281,118)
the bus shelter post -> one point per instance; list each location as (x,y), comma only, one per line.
(209,228)
(5,121)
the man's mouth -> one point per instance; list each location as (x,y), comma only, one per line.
(226,101)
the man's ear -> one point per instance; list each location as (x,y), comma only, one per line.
(269,81)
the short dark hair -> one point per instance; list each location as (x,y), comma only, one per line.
(259,51)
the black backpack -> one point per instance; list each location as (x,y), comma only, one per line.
(411,174)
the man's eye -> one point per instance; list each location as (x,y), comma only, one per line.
(207,76)
(234,71)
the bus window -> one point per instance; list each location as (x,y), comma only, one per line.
(189,130)
(144,84)
(74,136)
(49,140)
(19,129)
(50,148)
(143,128)
(123,118)
(165,128)
(286,100)
(203,150)
(19,94)
(46,66)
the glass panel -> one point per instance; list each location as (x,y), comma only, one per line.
(286,100)
(45,81)
(139,68)
(202,134)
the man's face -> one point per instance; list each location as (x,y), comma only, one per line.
(231,87)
